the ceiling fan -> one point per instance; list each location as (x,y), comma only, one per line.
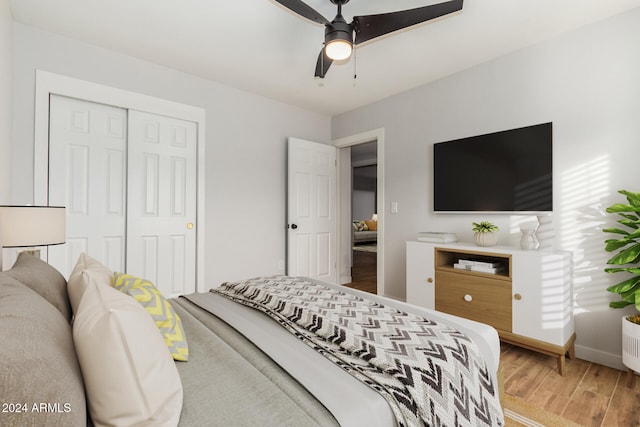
(338,34)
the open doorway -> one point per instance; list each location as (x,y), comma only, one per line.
(364,216)
(344,204)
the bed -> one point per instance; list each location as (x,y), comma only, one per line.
(244,368)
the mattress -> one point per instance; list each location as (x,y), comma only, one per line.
(351,402)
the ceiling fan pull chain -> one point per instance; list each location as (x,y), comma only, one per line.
(355,67)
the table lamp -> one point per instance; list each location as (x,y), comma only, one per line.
(30,226)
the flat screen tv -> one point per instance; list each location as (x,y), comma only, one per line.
(501,172)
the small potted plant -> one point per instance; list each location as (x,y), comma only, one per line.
(485,233)
(626,260)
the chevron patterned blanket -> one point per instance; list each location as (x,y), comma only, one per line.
(429,373)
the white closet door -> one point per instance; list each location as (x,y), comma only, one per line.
(161,227)
(87,174)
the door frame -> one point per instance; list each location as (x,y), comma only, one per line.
(49,83)
(375,135)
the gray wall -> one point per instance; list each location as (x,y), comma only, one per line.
(245,145)
(363,198)
(586,83)
(6,67)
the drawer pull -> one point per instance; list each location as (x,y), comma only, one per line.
(468,298)
(517,297)
(429,279)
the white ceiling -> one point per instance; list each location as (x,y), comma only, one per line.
(262,47)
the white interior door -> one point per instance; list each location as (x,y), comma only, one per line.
(311,211)
(87,174)
(161,219)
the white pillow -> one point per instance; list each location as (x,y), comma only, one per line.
(79,280)
(129,375)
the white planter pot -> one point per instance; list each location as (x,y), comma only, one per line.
(486,239)
(630,344)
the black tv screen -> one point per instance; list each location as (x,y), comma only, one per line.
(507,171)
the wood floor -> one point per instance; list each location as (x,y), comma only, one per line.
(588,394)
(363,272)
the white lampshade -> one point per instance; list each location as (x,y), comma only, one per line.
(28,226)
(338,49)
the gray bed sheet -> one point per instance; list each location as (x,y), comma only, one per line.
(351,402)
(228,381)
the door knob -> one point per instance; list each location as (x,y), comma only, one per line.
(189,225)
(294,226)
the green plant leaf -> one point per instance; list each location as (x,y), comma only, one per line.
(619,304)
(616,231)
(613,244)
(621,207)
(624,286)
(628,223)
(629,296)
(628,256)
(632,270)
(632,198)
(630,216)
(484,227)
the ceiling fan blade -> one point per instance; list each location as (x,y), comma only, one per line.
(323,64)
(304,10)
(372,26)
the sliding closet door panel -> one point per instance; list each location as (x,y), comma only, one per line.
(162,201)
(87,174)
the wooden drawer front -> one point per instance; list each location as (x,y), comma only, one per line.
(490,298)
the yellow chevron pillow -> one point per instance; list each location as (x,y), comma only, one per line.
(163,314)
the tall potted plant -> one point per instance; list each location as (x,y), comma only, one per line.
(626,260)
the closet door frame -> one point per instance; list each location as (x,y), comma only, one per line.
(48,84)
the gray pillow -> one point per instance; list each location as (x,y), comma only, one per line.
(39,371)
(43,279)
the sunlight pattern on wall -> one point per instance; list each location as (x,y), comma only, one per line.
(552,273)
(555,294)
(584,193)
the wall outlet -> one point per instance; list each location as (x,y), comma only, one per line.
(281,265)
(394,207)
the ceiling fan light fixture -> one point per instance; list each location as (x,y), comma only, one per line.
(338,49)
(338,39)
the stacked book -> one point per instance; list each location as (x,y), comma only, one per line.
(491,267)
(437,237)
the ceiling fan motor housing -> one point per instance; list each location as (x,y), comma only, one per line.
(338,30)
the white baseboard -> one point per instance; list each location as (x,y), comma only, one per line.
(345,280)
(600,357)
